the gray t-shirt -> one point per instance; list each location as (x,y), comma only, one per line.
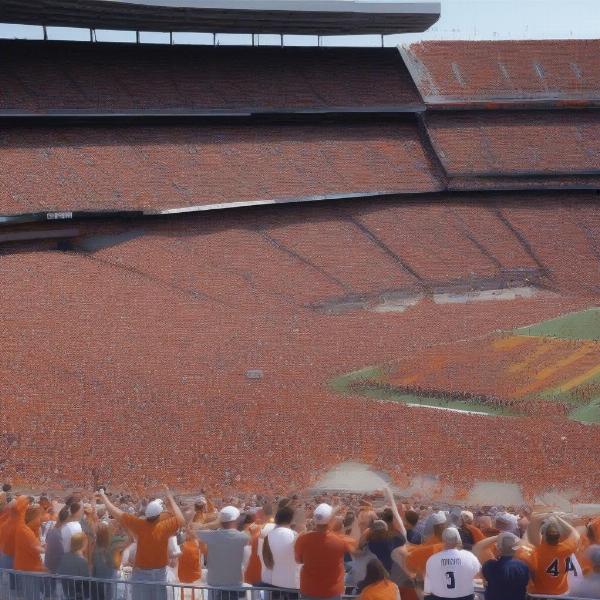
(225,556)
(54,550)
(586,587)
(73,564)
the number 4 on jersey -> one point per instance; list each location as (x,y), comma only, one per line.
(554,570)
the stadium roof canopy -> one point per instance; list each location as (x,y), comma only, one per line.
(313,17)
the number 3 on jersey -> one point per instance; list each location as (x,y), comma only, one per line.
(450,580)
(554,568)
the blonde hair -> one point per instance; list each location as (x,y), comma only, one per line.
(78,541)
(103,536)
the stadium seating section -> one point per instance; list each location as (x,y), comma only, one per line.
(105,78)
(126,345)
(550,70)
(86,168)
(118,339)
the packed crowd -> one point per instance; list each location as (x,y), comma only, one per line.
(527,374)
(299,350)
(311,547)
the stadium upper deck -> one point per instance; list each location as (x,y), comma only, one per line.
(77,79)
(264,125)
(332,17)
(542,73)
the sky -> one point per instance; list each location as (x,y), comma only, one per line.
(461,19)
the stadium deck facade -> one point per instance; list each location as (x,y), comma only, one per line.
(176,218)
(317,17)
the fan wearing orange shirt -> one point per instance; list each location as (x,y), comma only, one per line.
(28,550)
(469,534)
(252,574)
(16,513)
(4,513)
(487,549)
(414,559)
(377,585)
(589,536)
(321,554)
(47,513)
(152,535)
(204,511)
(555,542)
(189,569)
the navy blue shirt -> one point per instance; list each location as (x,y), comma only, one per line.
(507,579)
(414,537)
(383,549)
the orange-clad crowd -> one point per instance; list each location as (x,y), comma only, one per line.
(319,546)
(136,370)
(128,357)
(518,373)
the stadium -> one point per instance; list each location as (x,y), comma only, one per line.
(236,268)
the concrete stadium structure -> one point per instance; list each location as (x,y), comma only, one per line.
(316,17)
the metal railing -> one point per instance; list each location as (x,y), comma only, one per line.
(20,585)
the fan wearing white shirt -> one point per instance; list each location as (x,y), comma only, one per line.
(278,551)
(174,552)
(72,526)
(450,573)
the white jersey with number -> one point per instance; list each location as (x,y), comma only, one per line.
(450,573)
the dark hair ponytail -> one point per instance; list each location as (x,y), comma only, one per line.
(375,572)
(63,514)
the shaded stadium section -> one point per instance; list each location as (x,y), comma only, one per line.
(158,168)
(81,78)
(518,149)
(551,72)
(145,330)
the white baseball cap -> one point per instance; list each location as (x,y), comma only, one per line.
(154,509)
(468,515)
(323,514)
(228,514)
(438,518)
